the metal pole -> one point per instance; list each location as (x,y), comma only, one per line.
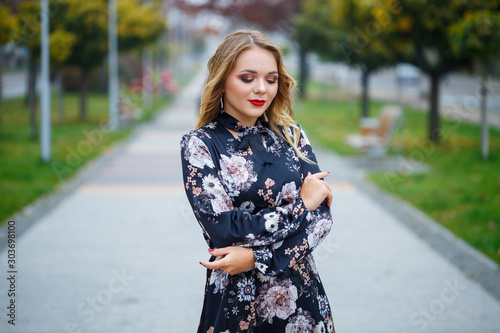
(484,116)
(45,148)
(113,67)
(147,80)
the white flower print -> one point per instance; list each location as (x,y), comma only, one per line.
(317,231)
(220,279)
(252,240)
(246,206)
(262,254)
(288,194)
(301,322)
(261,267)
(221,203)
(211,125)
(246,289)
(271,225)
(197,154)
(262,277)
(324,307)
(329,326)
(320,328)
(212,185)
(277,299)
(238,170)
(272,221)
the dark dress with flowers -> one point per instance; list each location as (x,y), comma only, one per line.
(250,197)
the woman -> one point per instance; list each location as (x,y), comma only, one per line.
(255,188)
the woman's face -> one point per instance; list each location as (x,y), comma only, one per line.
(251,86)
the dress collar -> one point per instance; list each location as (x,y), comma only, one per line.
(251,136)
(234,124)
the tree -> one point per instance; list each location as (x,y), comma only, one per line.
(419,35)
(79,33)
(78,37)
(28,34)
(88,19)
(345,31)
(478,36)
(7,27)
(138,25)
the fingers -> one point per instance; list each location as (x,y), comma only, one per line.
(328,194)
(329,199)
(231,259)
(218,264)
(318,175)
(219,252)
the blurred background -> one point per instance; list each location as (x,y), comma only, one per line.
(438,61)
(408,91)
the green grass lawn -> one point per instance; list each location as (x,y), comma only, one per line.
(24,177)
(462,192)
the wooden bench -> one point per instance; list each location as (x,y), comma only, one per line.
(376,133)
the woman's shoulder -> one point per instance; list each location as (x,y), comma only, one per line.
(203,133)
(293,130)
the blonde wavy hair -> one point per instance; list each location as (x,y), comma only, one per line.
(280,111)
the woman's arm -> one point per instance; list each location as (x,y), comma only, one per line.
(276,258)
(235,259)
(273,259)
(213,208)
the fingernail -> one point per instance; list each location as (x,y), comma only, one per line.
(210,250)
(328,172)
(308,173)
(200,263)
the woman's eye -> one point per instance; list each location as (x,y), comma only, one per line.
(272,81)
(247,79)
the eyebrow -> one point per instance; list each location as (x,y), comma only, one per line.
(255,72)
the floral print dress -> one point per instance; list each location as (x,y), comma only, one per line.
(244,191)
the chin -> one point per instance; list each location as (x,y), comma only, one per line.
(254,113)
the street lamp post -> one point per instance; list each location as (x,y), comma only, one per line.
(45,119)
(113,67)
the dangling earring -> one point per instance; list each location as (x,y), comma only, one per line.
(221,103)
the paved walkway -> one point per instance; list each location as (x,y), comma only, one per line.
(120,253)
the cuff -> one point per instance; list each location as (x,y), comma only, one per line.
(262,256)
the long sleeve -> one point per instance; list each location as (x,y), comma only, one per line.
(222,224)
(276,258)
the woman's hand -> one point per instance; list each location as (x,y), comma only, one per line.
(314,191)
(232,259)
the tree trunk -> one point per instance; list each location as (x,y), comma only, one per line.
(434,129)
(1,86)
(1,94)
(484,115)
(303,71)
(31,95)
(60,96)
(83,94)
(365,77)
(102,80)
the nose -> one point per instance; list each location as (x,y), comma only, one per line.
(260,86)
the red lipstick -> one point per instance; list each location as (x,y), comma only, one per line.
(258,102)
